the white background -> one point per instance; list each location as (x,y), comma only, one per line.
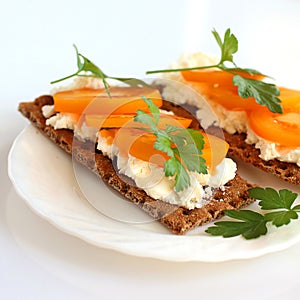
(126,38)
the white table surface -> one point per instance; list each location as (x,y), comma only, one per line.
(37,261)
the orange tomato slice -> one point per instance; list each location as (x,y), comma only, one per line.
(290,99)
(283,129)
(217,86)
(96,101)
(140,144)
(214,151)
(227,98)
(117,121)
(142,148)
(217,77)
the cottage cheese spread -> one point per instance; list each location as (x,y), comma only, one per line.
(188,93)
(67,121)
(78,83)
(269,150)
(61,120)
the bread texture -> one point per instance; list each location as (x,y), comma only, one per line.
(176,218)
(289,172)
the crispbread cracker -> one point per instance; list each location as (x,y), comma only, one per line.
(248,153)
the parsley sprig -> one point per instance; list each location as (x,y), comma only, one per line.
(265,94)
(253,224)
(88,68)
(183,146)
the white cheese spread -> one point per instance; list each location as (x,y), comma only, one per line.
(48,111)
(67,121)
(269,150)
(61,120)
(231,121)
(78,83)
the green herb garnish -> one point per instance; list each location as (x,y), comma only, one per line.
(91,70)
(183,146)
(265,94)
(253,223)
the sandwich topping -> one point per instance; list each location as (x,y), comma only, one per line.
(155,148)
(276,135)
(160,152)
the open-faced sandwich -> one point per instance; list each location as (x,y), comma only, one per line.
(151,151)
(263,130)
(155,153)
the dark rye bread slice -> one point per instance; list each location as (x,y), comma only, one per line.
(177,219)
(248,153)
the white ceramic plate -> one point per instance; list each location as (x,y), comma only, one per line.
(44,177)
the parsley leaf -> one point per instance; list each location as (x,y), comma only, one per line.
(171,166)
(254,224)
(265,94)
(183,146)
(91,70)
(279,218)
(182,178)
(145,118)
(297,208)
(271,199)
(246,70)
(130,81)
(228,47)
(164,144)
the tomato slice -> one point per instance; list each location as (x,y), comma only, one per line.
(142,148)
(283,129)
(230,99)
(140,144)
(217,86)
(290,99)
(96,101)
(216,77)
(227,98)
